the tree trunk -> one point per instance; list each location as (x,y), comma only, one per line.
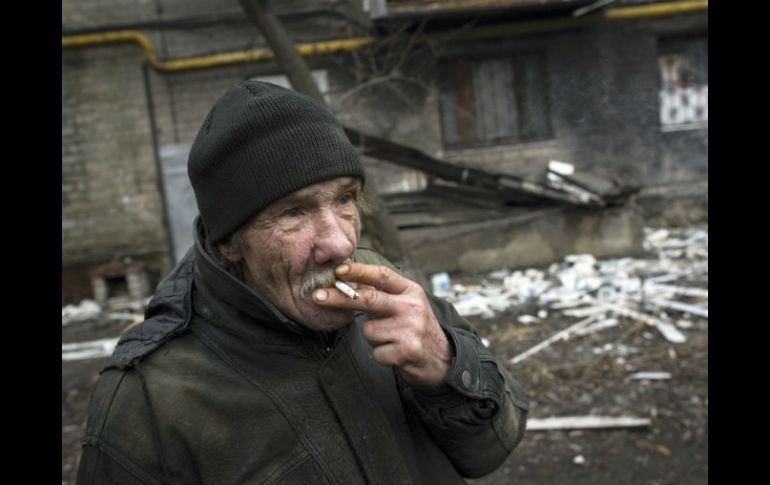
(286,54)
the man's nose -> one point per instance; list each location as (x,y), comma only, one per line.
(333,241)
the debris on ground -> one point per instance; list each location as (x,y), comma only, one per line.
(672,280)
(85,310)
(650,376)
(623,337)
(130,311)
(93,349)
(621,363)
(586,422)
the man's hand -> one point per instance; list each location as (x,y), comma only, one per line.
(404,332)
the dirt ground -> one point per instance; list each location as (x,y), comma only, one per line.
(571,379)
(586,375)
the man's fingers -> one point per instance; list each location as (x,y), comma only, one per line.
(370,300)
(380,277)
(381,331)
(396,354)
(387,354)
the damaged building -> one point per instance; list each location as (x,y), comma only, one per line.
(499,133)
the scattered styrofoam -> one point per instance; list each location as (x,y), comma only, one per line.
(601,291)
(88,350)
(85,310)
(527,319)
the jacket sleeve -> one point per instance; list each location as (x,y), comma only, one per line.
(478,406)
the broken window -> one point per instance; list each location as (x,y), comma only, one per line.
(494,101)
(684,83)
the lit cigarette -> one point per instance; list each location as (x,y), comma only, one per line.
(346,289)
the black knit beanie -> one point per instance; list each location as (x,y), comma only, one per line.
(259,143)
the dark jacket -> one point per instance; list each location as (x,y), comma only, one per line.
(218,387)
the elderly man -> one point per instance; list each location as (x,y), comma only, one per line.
(253,367)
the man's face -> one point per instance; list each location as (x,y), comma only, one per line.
(299,240)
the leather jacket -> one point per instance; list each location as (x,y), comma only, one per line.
(217,386)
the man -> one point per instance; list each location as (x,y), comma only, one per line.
(252,367)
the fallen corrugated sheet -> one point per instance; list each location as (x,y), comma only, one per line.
(512,187)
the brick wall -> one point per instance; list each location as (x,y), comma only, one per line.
(111,206)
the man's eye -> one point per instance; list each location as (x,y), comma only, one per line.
(347,198)
(293,212)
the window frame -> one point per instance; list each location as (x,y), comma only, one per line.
(523,133)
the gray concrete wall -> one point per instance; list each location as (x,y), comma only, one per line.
(528,238)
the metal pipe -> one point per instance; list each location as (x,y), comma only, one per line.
(253,55)
(119,36)
(161,186)
(655,10)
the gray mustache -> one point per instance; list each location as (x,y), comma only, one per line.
(324,279)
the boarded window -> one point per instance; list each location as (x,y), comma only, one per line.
(494,101)
(684,84)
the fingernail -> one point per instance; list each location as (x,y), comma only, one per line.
(321,295)
(342,269)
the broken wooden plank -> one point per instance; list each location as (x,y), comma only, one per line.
(585,312)
(677,290)
(586,422)
(682,307)
(667,329)
(595,327)
(653,376)
(664,278)
(576,301)
(557,181)
(563,335)
(397,153)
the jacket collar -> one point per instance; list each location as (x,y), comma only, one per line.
(214,279)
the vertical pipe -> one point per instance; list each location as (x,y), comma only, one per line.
(158,165)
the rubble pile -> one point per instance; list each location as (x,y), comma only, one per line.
(667,290)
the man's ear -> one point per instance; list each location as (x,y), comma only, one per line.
(231,252)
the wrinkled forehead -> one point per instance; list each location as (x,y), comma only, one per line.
(316,192)
(328,186)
